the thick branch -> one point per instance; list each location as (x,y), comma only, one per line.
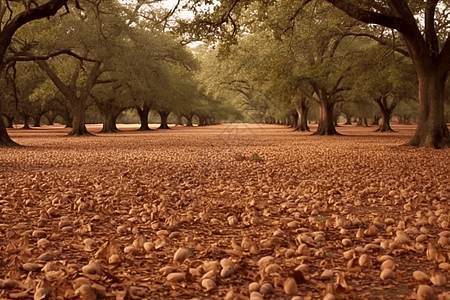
(430,31)
(30,57)
(380,41)
(65,90)
(48,9)
(366,16)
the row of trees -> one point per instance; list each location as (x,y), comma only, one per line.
(274,59)
(284,55)
(115,56)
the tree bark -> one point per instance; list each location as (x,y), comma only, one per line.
(109,112)
(326,119)
(50,119)
(143,116)
(37,120)
(109,123)
(201,121)
(179,121)
(386,112)
(348,118)
(164,114)
(68,119)
(189,120)
(5,140)
(303,118)
(432,131)
(295,119)
(362,121)
(335,120)
(376,120)
(26,121)
(79,119)
(9,121)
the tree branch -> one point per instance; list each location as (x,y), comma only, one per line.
(380,41)
(370,17)
(21,56)
(430,30)
(48,9)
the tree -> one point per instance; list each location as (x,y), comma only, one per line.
(422,25)
(9,28)
(428,49)
(111,102)
(386,78)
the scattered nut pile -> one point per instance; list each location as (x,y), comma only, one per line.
(224,212)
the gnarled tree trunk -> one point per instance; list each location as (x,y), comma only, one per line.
(26,121)
(164,114)
(37,120)
(201,121)
(143,116)
(76,100)
(50,119)
(5,140)
(303,118)
(295,118)
(348,119)
(362,121)
(109,123)
(432,131)
(386,112)
(109,112)
(9,121)
(376,120)
(79,119)
(189,120)
(179,121)
(326,118)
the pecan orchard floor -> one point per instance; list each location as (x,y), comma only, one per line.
(189,181)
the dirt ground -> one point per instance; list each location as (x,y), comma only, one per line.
(201,213)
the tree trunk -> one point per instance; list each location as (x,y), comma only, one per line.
(109,123)
(37,121)
(335,120)
(79,119)
(5,140)
(303,118)
(26,120)
(69,121)
(143,116)
(295,119)
(66,115)
(50,120)
(164,115)
(376,120)
(348,118)
(189,120)
(9,121)
(109,112)
(179,121)
(326,119)
(201,121)
(364,122)
(432,131)
(407,120)
(386,112)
